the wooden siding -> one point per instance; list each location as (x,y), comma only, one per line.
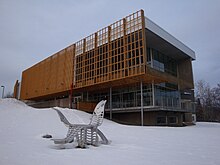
(111,57)
(86,106)
(112,53)
(50,76)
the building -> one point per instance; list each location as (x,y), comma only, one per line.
(144,72)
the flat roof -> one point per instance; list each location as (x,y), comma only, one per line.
(168,39)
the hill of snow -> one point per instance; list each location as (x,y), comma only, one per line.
(21,142)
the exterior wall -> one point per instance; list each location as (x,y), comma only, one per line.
(113,56)
(86,106)
(113,53)
(52,103)
(188,117)
(49,77)
(150,118)
(185,74)
(16,90)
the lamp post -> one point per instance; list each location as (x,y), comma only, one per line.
(3,90)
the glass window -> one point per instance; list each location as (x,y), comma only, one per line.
(167,95)
(162,62)
(130,96)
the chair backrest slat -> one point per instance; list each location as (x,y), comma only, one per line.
(98,114)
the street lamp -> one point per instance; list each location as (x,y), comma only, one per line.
(3,90)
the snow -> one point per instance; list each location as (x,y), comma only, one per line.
(21,142)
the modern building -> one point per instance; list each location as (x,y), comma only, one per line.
(144,72)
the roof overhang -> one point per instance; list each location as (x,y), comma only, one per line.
(161,40)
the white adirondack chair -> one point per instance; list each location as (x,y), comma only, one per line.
(84,133)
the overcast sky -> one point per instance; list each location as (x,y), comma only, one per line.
(32,30)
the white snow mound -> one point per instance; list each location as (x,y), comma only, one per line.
(21,128)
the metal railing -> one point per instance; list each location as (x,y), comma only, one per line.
(162,103)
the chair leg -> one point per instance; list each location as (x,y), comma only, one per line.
(81,138)
(94,137)
(102,136)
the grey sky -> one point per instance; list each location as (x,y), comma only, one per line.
(32,30)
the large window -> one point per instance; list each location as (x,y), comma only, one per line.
(161,62)
(127,97)
(167,95)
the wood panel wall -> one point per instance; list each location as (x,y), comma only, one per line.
(50,76)
(185,76)
(112,53)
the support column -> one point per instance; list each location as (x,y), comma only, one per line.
(110,101)
(142,109)
(153,93)
(87,96)
(151,58)
(71,96)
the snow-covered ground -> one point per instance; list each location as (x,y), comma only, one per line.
(21,142)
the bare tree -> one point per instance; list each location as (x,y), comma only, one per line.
(208,102)
(216,103)
(202,91)
(199,111)
(216,96)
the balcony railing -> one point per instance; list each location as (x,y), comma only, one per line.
(162,103)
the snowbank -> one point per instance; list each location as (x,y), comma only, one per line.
(21,128)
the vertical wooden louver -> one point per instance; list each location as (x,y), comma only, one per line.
(114,52)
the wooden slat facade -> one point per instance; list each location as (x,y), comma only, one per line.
(113,56)
(114,52)
(49,77)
